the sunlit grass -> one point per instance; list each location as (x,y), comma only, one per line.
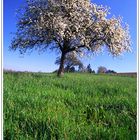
(76,107)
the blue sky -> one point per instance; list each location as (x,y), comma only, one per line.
(45,62)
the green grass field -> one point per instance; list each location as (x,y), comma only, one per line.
(76,107)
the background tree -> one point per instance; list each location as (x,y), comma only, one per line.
(72,69)
(69,26)
(111,71)
(80,67)
(89,68)
(93,71)
(102,69)
(84,69)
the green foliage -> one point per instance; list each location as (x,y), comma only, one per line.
(76,107)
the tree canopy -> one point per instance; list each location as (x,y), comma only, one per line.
(66,26)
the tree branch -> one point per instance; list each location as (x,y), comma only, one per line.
(74,48)
(59,44)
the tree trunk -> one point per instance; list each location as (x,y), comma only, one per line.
(61,67)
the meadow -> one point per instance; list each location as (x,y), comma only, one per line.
(40,106)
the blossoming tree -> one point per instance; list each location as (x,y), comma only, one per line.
(69,26)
